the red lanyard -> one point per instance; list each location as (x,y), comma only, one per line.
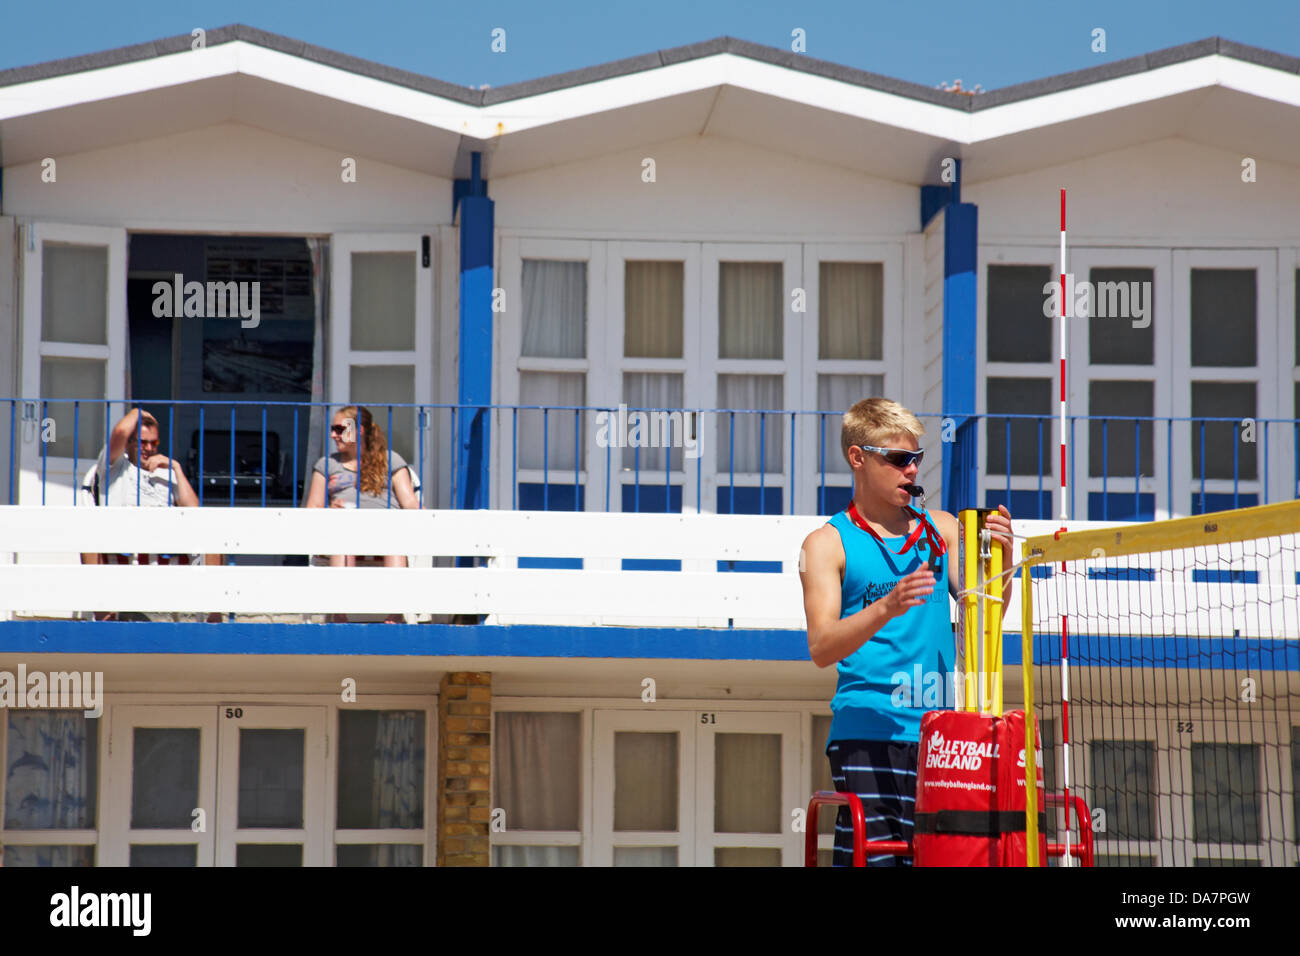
(939,546)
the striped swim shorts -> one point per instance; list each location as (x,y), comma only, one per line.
(883,775)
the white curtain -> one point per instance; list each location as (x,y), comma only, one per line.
(651,391)
(750,309)
(550,389)
(555,309)
(537,775)
(653,309)
(850,310)
(538,770)
(320,281)
(839,393)
(742,432)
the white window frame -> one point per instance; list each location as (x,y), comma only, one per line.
(988,480)
(343,357)
(889,366)
(789,366)
(1081,262)
(578,838)
(607,381)
(511,363)
(1262,374)
(59,478)
(91,837)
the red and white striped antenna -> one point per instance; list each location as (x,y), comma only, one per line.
(1065,516)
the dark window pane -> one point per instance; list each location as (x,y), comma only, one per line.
(164,777)
(1123,784)
(1018,329)
(1117,443)
(164,854)
(746,856)
(1223,317)
(1233,400)
(386,854)
(1120,330)
(268,854)
(1225,793)
(381,769)
(270,778)
(1019,396)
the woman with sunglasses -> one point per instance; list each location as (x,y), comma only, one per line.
(362,472)
(873,609)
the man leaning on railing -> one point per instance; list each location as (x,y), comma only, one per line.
(130,471)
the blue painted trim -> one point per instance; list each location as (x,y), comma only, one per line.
(961,236)
(1178,653)
(1224,576)
(617,643)
(477,232)
(933,199)
(417,640)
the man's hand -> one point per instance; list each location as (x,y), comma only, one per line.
(999,525)
(909,592)
(154,462)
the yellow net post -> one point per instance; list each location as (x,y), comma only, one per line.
(1027,677)
(979,615)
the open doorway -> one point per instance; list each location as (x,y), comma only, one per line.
(193,358)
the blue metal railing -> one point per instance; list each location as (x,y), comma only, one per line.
(256,455)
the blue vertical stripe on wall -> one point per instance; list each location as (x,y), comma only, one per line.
(961,236)
(475,347)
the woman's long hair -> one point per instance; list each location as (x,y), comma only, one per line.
(372,450)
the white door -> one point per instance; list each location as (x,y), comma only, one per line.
(161,788)
(271,794)
(381,334)
(751,343)
(1120,353)
(645,789)
(747,785)
(74,348)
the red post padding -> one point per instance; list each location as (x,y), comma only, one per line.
(970,793)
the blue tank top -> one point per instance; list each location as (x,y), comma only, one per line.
(905,668)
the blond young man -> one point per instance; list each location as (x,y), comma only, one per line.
(873,610)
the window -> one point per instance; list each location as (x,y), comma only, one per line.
(1223,317)
(1030,453)
(536,776)
(1018,331)
(1123,785)
(1226,803)
(51,761)
(850,313)
(1121,326)
(1118,443)
(380,788)
(1225,454)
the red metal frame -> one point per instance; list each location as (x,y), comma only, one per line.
(832,798)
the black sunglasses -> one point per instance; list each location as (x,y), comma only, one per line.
(898,457)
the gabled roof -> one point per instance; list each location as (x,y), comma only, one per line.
(733,88)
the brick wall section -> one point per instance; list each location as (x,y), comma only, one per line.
(464,769)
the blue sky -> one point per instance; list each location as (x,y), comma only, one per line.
(994,43)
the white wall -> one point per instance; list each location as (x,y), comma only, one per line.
(1171,191)
(706,187)
(228,177)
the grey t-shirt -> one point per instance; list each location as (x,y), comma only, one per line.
(342,483)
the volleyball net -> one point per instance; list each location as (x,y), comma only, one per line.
(1166,679)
